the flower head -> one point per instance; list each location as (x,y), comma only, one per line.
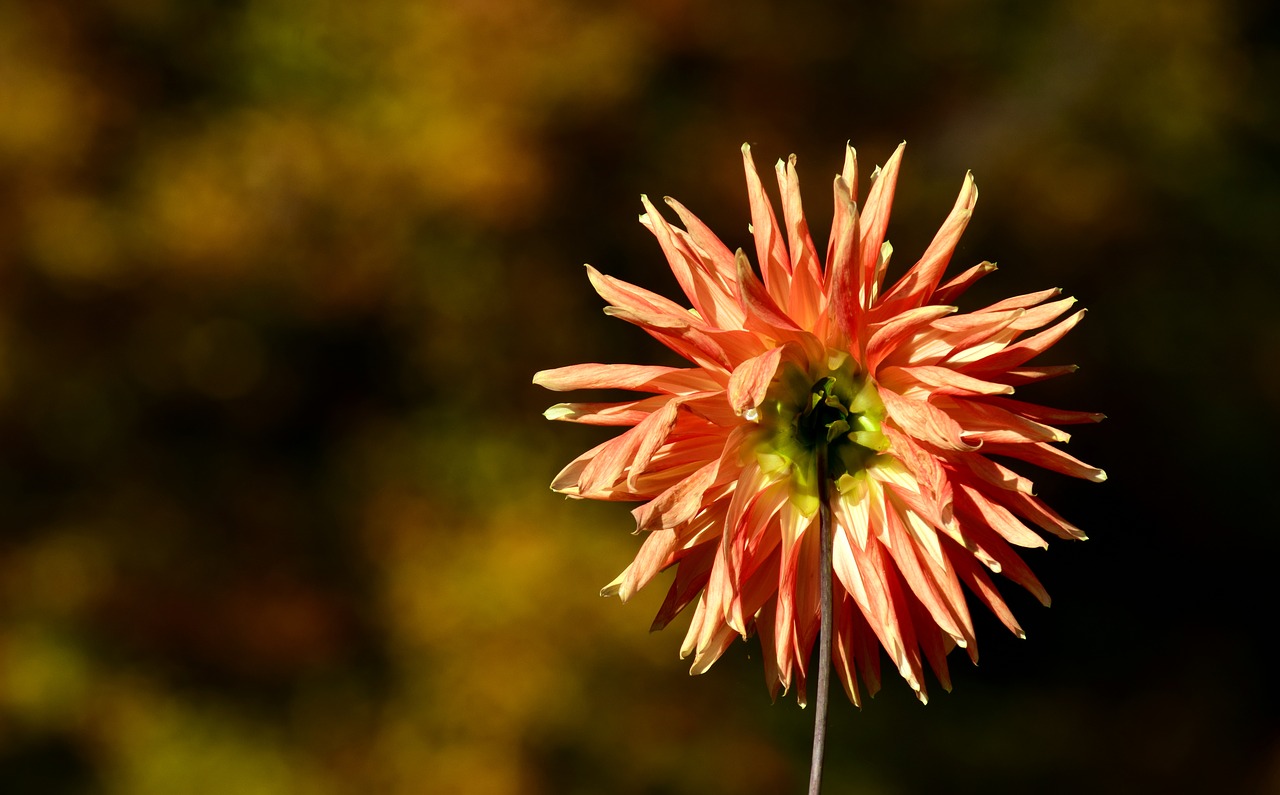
(811,382)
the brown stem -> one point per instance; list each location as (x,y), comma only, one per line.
(824,638)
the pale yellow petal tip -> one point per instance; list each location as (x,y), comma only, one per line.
(1100,477)
(614,588)
(559,411)
(746,148)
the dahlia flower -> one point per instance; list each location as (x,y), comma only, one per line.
(813,381)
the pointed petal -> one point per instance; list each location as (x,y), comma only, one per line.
(921,381)
(805,300)
(691,577)
(924,421)
(1049,457)
(775,265)
(1022,301)
(1023,350)
(843,266)
(759,304)
(949,292)
(627,413)
(920,282)
(846,193)
(898,330)
(975,507)
(987,422)
(875,217)
(633,377)
(685,264)
(983,588)
(1034,411)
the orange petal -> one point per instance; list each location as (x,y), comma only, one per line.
(750,380)
(806,298)
(1045,414)
(920,282)
(1022,301)
(1023,350)
(949,292)
(685,264)
(936,380)
(633,377)
(843,265)
(898,330)
(1049,457)
(775,265)
(718,254)
(759,304)
(924,421)
(984,589)
(977,508)
(627,413)
(874,220)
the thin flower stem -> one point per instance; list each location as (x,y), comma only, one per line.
(824,638)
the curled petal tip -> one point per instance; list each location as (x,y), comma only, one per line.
(558,412)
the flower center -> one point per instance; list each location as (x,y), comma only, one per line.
(835,413)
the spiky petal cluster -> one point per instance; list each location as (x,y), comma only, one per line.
(903,398)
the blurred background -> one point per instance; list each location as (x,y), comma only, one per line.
(275,276)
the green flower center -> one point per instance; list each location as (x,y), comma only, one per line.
(836,413)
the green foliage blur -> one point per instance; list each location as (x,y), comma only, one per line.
(275,276)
